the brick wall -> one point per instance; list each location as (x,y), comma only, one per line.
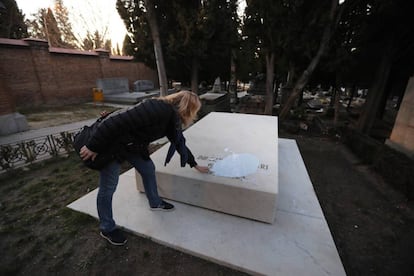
(32,73)
(7,105)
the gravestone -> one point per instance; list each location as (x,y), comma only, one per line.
(258,85)
(130,97)
(113,85)
(214,102)
(116,90)
(216,85)
(242,151)
(13,123)
(143,85)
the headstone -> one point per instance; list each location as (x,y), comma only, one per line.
(242,151)
(113,85)
(176,85)
(214,102)
(130,97)
(143,85)
(217,85)
(258,85)
(116,90)
(211,98)
(13,123)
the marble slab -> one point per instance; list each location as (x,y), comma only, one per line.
(212,139)
(143,85)
(113,85)
(298,243)
(210,96)
(129,97)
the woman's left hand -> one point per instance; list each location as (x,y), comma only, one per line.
(86,154)
(202,169)
(104,113)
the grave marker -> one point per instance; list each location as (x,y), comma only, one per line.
(250,193)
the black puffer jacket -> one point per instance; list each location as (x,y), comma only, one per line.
(132,130)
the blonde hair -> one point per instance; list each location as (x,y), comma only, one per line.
(187,103)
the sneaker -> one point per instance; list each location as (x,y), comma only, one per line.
(115,237)
(164,206)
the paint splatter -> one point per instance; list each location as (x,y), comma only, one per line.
(236,165)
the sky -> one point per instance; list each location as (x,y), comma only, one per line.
(85,15)
(89,15)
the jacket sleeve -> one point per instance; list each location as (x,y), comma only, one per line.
(176,137)
(191,160)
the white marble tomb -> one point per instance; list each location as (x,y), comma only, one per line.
(297,243)
(230,144)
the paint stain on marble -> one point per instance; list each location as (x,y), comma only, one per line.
(236,165)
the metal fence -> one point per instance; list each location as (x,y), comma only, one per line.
(26,152)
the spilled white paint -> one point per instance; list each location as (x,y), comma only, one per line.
(236,165)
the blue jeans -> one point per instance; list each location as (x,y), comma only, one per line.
(108,181)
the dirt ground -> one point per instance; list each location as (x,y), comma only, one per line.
(58,115)
(371,223)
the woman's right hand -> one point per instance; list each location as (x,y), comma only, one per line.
(202,169)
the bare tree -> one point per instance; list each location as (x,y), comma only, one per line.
(96,25)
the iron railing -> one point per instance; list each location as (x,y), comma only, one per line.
(29,151)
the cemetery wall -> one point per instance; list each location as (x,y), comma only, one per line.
(33,74)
